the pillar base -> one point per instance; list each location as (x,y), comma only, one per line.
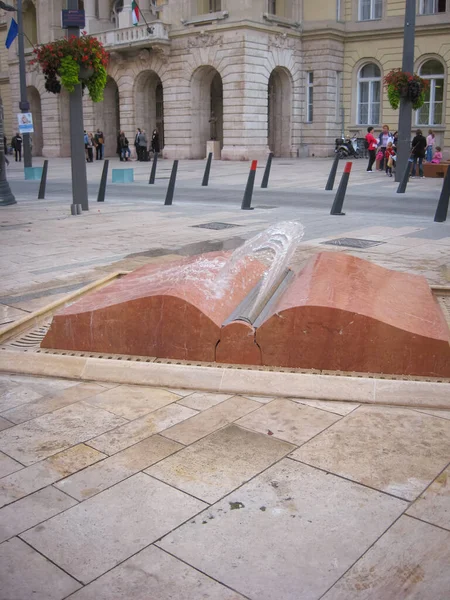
(214,147)
(245,152)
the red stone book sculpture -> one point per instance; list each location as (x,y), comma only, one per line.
(339,313)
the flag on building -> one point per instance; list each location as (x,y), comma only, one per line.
(12,33)
(135,12)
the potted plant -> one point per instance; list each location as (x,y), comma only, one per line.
(70,61)
(405,85)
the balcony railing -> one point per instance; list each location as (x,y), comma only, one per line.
(134,37)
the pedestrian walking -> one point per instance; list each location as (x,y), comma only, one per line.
(383,141)
(155,142)
(124,146)
(16,143)
(99,144)
(136,142)
(431,139)
(371,145)
(142,145)
(419,145)
(389,158)
(5,147)
(89,146)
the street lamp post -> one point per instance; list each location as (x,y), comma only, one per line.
(24,105)
(6,196)
(405,113)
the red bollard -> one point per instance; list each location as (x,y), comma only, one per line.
(247,199)
(336,209)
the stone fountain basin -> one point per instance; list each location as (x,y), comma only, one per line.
(339,313)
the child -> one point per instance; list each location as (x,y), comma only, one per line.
(388,155)
(437,156)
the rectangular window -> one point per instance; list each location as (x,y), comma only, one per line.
(369,103)
(338,10)
(215,5)
(280,8)
(370,10)
(208,6)
(272,7)
(431,112)
(432,7)
(97,9)
(309,96)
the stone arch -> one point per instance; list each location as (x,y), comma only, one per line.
(206,98)
(107,116)
(279,111)
(149,103)
(29,23)
(34,98)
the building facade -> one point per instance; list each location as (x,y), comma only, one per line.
(282,75)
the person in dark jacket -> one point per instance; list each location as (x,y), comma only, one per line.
(419,146)
(155,141)
(17,145)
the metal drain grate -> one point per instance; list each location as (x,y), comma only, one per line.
(353,243)
(32,339)
(216,226)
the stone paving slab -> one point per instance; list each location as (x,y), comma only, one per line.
(433,505)
(154,574)
(31,510)
(289,533)
(112,470)
(96,535)
(16,396)
(409,562)
(288,421)
(5,424)
(395,450)
(202,401)
(52,433)
(44,473)
(132,401)
(338,408)
(8,465)
(219,463)
(139,429)
(26,574)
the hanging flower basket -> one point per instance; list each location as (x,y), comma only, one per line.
(70,61)
(404,85)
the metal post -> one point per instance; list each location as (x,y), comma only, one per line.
(41,194)
(103,181)
(442,207)
(171,188)
(332,175)
(77,151)
(6,196)
(207,170)
(24,105)
(248,193)
(405,114)
(338,203)
(153,171)
(265,179)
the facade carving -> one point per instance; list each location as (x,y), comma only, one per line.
(272,85)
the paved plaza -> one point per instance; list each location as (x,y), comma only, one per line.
(115,492)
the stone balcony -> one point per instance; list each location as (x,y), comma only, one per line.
(135,37)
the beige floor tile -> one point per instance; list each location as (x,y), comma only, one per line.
(49,434)
(219,463)
(46,405)
(396,450)
(17,395)
(108,472)
(8,465)
(261,399)
(154,574)
(180,392)
(138,430)
(409,562)
(133,401)
(339,408)
(5,424)
(203,400)
(8,314)
(434,504)
(208,421)
(101,532)
(26,574)
(288,534)
(443,414)
(288,421)
(30,511)
(29,480)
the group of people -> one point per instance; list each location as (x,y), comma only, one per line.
(384,150)
(92,141)
(140,144)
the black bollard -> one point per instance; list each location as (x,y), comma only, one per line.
(265,179)
(247,199)
(153,171)
(103,180)
(41,194)
(207,170)
(336,209)
(404,182)
(442,207)
(332,175)
(171,188)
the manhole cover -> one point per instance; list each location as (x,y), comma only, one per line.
(216,225)
(353,243)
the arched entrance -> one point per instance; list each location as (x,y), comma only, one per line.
(149,107)
(107,117)
(279,112)
(207,109)
(34,98)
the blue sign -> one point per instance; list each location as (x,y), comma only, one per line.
(73,18)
